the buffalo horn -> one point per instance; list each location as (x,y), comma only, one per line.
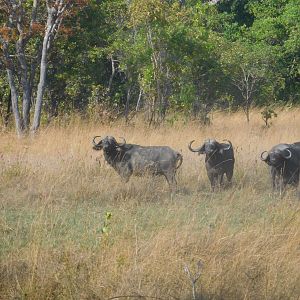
(94,142)
(122,144)
(264,158)
(194,150)
(230,145)
(288,156)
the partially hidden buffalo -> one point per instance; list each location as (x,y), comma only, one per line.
(219,160)
(284,160)
(131,159)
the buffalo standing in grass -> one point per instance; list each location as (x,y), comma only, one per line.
(131,159)
(219,160)
(284,160)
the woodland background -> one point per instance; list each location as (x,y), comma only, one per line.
(163,57)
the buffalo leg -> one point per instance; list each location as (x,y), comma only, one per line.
(229,175)
(294,180)
(220,180)
(275,179)
(212,178)
(298,189)
(126,172)
(171,182)
(278,183)
(281,182)
(297,178)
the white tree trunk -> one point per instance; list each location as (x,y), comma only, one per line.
(13,89)
(25,84)
(43,72)
(14,102)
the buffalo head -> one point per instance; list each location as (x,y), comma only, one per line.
(210,147)
(276,156)
(107,143)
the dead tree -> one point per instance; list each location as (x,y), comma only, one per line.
(246,84)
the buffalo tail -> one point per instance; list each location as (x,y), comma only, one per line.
(180,159)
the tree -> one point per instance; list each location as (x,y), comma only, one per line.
(148,55)
(5,99)
(26,37)
(249,68)
(276,28)
(167,53)
(246,82)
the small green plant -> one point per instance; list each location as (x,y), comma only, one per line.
(267,114)
(106,224)
(172,119)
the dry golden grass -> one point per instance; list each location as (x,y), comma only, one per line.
(54,196)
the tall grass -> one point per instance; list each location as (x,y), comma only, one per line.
(55,194)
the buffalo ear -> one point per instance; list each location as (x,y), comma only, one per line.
(221,148)
(267,161)
(287,154)
(202,149)
(266,158)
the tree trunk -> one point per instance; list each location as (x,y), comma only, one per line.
(13,89)
(8,109)
(25,84)
(43,72)
(127,105)
(40,93)
(247,112)
(113,71)
(138,104)
(14,102)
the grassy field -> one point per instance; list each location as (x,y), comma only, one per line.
(58,243)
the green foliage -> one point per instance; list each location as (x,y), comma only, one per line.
(267,114)
(106,224)
(172,57)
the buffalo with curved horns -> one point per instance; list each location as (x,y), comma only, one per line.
(131,159)
(219,160)
(284,160)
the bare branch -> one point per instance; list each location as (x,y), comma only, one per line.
(33,20)
(194,277)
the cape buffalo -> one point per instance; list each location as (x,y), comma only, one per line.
(284,160)
(131,159)
(219,160)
